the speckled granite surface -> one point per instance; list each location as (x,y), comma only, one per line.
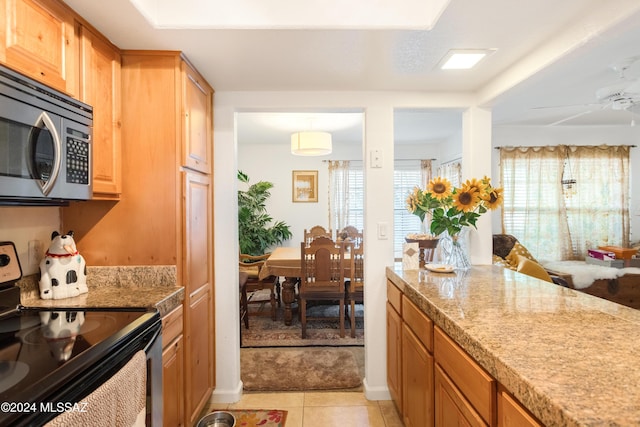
(126,286)
(571,358)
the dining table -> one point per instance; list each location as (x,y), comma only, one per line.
(286,262)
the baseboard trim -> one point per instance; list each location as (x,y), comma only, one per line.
(226,396)
(375,393)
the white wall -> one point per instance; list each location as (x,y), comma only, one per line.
(576,135)
(22,225)
(275,163)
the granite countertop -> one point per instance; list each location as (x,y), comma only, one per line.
(152,287)
(572,359)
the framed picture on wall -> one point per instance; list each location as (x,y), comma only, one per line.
(305,186)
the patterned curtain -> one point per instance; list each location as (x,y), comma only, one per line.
(338,194)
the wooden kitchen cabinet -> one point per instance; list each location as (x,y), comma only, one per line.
(394,355)
(434,382)
(173,369)
(38,40)
(197,115)
(417,367)
(100,87)
(475,386)
(198,277)
(452,409)
(511,413)
(165,213)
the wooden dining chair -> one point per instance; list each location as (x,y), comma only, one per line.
(354,281)
(350,234)
(322,278)
(316,231)
(251,265)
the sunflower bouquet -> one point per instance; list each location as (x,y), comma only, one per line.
(452,208)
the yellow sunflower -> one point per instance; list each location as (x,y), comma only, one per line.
(494,198)
(479,185)
(466,199)
(440,188)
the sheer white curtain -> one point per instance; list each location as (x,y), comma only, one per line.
(598,209)
(452,171)
(560,201)
(338,194)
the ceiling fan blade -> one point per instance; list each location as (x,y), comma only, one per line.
(574,116)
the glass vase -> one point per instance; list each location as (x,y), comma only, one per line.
(453,250)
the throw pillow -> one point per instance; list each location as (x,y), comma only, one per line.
(500,262)
(518,249)
(532,268)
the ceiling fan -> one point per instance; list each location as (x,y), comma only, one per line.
(622,95)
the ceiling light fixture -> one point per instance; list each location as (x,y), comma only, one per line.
(311,143)
(463,59)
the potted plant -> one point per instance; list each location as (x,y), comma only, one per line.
(256,228)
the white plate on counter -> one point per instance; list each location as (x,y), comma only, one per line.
(440,268)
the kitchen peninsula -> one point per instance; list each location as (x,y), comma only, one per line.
(563,358)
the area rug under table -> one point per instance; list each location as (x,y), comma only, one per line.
(299,369)
(264,332)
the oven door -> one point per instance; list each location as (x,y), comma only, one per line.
(67,355)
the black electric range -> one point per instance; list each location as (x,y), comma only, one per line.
(51,359)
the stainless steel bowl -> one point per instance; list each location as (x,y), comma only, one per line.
(218,419)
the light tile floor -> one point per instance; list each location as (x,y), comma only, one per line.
(321,409)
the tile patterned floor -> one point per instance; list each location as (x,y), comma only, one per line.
(321,409)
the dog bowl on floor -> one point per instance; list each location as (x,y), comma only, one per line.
(217,419)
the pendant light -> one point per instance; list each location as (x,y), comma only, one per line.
(311,143)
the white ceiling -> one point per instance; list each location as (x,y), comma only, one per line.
(548,53)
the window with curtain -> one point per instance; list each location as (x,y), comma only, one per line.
(346,194)
(452,171)
(406,175)
(560,201)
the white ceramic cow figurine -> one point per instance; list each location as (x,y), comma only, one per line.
(63,271)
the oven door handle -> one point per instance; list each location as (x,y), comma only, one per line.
(156,336)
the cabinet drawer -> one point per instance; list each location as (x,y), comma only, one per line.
(419,323)
(478,387)
(394,296)
(171,326)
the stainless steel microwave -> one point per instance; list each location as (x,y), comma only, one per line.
(45,144)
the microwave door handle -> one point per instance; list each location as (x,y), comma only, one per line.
(57,151)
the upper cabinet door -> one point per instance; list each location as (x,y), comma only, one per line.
(38,40)
(197,145)
(100,88)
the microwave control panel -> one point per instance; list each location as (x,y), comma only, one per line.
(78,157)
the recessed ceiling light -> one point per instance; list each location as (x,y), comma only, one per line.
(463,59)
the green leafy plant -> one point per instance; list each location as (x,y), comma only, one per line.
(256,229)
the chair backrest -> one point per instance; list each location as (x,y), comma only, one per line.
(351,233)
(322,265)
(316,231)
(357,263)
(251,264)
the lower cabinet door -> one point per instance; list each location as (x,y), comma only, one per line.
(173,384)
(394,355)
(452,409)
(199,352)
(417,382)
